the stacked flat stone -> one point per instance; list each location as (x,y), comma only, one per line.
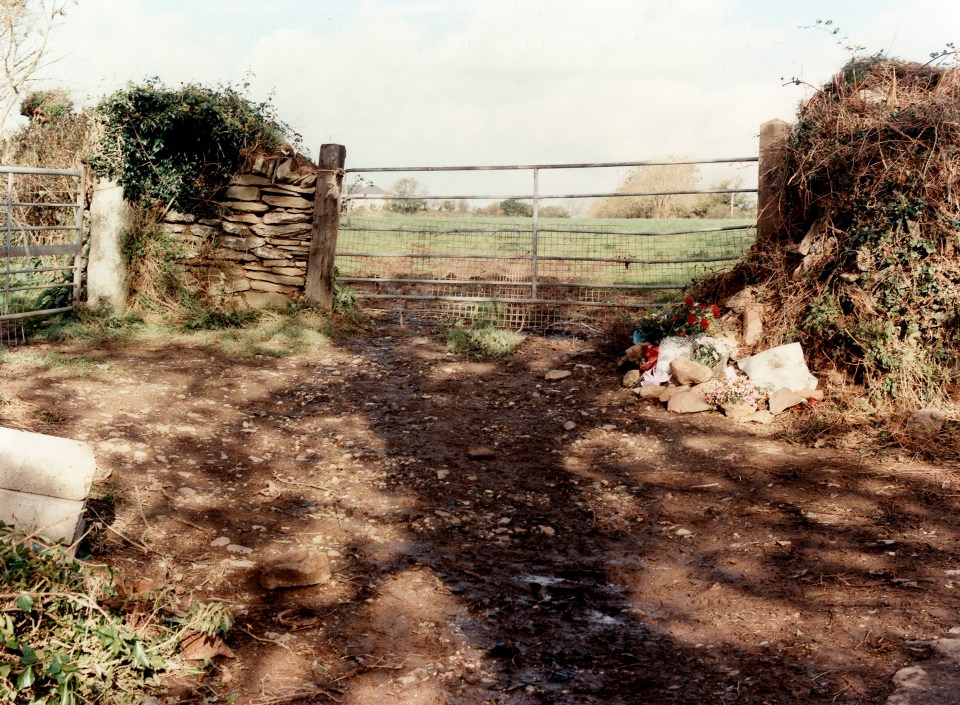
(257,252)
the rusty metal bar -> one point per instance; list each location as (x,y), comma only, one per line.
(40,171)
(513,167)
(530,197)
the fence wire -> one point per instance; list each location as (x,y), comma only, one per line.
(531,272)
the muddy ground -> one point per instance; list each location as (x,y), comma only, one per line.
(641,557)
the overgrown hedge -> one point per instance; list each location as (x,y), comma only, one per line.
(181,146)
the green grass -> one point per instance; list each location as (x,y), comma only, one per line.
(483,342)
(273,335)
(564,253)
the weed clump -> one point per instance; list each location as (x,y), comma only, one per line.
(68,635)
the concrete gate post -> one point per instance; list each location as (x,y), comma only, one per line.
(110,218)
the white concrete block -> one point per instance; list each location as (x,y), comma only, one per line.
(44,482)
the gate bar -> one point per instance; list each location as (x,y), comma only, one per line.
(511,167)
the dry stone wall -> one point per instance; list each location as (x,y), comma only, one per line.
(256,253)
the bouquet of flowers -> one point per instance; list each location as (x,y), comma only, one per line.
(738,391)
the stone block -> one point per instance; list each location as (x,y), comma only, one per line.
(237,229)
(243,193)
(270,253)
(247,206)
(250,180)
(282,230)
(277,278)
(242,244)
(283,218)
(286,202)
(257,285)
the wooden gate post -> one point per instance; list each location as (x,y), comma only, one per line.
(326,224)
(774,137)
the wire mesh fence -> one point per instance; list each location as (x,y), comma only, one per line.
(41,218)
(532,271)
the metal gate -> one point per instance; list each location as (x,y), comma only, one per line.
(42,225)
(529,270)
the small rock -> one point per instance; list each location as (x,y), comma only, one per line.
(738,412)
(241,564)
(762,417)
(187,491)
(669,391)
(547,530)
(926,420)
(814,394)
(686,371)
(651,391)
(237,548)
(442,474)
(481,453)
(569,426)
(631,378)
(688,402)
(608,427)
(554,375)
(298,567)
(221,541)
(684,533)
(783,398)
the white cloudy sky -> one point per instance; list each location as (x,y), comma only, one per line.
(436,82)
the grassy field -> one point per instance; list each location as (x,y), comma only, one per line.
(602,251)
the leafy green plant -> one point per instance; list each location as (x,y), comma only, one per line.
(67,637)
(181,146)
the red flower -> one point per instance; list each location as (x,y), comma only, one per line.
(691,319)
(715,310)
(683,334)
(704,323)
(703,307)
(688,301)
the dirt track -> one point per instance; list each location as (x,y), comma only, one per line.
(639,558)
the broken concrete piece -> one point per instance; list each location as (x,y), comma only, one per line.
(778,367)
(783,399)
(926,420)
(752,324)
(44,482)
(686,371)
(298,567)
(688,402)
(739,301)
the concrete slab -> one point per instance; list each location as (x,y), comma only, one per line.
(44,482)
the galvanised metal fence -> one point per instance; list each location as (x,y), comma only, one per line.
(532,271)
(42,223)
